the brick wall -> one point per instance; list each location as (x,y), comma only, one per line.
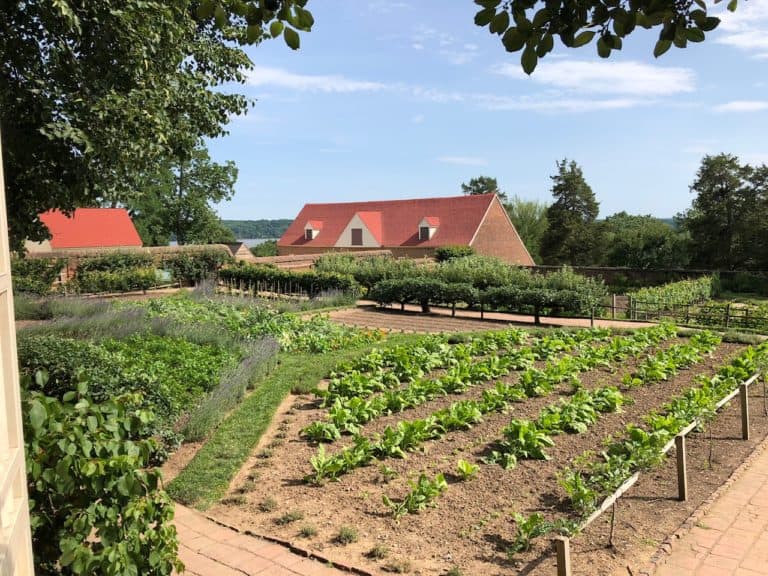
(498,237)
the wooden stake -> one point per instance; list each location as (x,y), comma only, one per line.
(744,393)
(613,524)
(682,473)
(563,548)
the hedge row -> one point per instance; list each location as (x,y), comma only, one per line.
(681,293)
(276,280)
(35,276)
(127,280)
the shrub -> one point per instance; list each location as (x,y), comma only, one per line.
(121,280)
(445,253)
(268,248)
(285,281)
(191,266)
(424,291)
(115,262)
(369,270)
(681,293)
(35,275)
(95,504)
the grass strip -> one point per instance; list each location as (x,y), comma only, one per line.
(206,478)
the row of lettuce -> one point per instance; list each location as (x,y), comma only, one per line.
(108,389)
(117,271)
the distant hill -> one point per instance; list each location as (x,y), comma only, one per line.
(257,228)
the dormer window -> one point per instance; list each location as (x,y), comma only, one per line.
(428,227)
(312,229)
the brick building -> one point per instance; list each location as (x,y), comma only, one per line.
(408,228)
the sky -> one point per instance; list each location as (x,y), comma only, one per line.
(390,99)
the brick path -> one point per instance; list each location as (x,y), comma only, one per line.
(208,549)
(731,539)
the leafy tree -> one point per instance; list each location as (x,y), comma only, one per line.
(94,93)
(533,25)
(727,220)
(641,242)
(530,220)
(175,201)
(571,237)
(482,185)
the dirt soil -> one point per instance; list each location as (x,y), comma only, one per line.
(471,527)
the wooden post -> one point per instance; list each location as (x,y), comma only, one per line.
(728,315)
(563,548)
(613,306)
(682,473)
(744,393)
(592,318)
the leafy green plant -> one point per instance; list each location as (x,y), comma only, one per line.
(307,531)
(378,552)
(466,470)
(346,535)
(96,506)
(289,517)
(423,493)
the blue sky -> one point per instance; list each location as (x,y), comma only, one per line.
(402,99)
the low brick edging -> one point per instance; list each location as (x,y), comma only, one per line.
(290,547)
(662,554)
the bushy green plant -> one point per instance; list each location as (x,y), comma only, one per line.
(667,296)
(96,506)
(190,266)
(466,470)
(115,262)
(368,270)
(423,493)
(445,253)
(35,275)
(287,281)
(121,280)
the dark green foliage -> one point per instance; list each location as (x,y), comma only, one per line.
(571,237)
(424,291)
(313,283)
(96,506)
(258,228)
(121,280)
(641,242)
(191,266)
(445,253)
(35,275)
(482,185)
(530,220)
(115,262)
(268,248)
(370,270)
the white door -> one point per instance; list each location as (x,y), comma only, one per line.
(15,540)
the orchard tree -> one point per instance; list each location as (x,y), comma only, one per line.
(482,185)
(176,199)
(532,26)
(95,93)
(571,237)
(530,220)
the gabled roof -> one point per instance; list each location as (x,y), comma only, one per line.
(91,228)
(432,221)
(394,222)
(314,225)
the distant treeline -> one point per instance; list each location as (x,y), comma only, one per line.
(258,228)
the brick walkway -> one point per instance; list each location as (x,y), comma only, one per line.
(208,549)
(731,539)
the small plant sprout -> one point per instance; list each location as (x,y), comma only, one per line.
(269,504)
(378,552)
(346,535)
(307,531)
(466,470)
(289,517)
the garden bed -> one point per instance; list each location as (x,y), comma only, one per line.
(471,527)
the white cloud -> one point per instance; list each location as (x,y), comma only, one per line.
(443,44)
(417,119)
(387,6)
(593,77)
(743,106)
(556,104)
(755,158)
(276,77)
(746,29)
(463,160)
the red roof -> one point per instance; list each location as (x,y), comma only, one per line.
(432,221)
(315,225)
(394,222)
(91,228)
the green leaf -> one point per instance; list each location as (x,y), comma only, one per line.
(541,17)
(732,5)
(513,40)
(694,35)
(306,20)
(583,38)
(37,414)
(500,22)
(545,45)
(661,47)
(205,9)
(291,38)
(529,60)
(220,15)
(252,33)
(603,48)
(709,23)
(484,17)
(276,28)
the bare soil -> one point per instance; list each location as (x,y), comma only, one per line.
(471,527)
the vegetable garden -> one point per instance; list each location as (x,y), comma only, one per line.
(492,445)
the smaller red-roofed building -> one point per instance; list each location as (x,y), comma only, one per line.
(87,228)
(407,228)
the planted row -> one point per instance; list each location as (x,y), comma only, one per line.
(396,441)
(526,439)
(641,448)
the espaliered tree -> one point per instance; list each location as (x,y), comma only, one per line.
(571,237)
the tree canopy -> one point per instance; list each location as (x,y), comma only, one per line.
(571,237)
(531,26)
(641,242)
(93,94)
(530,220)
(482,185)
